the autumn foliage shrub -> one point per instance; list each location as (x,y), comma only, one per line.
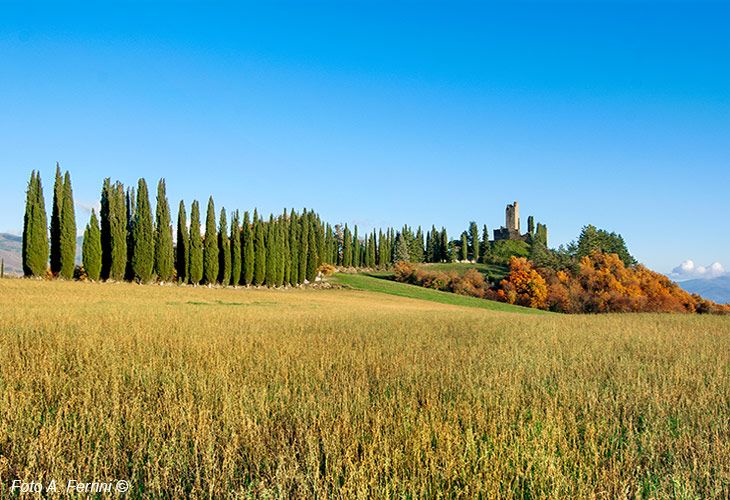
(600,283)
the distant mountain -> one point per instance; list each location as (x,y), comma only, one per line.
(11,251)
(716,289)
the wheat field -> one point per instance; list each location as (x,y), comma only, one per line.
(220,393)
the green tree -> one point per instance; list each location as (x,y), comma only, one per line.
(464,246)
(224,250)
(164,253)
(68,230)
(143,236)
(401,249)
(531,225)
(195,248)
(444,246)
(91,248)
(210,246)
(485,251)
(347,248)
(259,246)
(312,257)
(113,231)
(593,239)
(271,252)
(55,255)
(474,240)
(35,234)
(247,240)
(183,245)
(235,250)
(294,229)
(303,246)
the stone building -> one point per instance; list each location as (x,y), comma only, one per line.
(512,222)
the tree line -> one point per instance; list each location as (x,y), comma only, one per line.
(126,241)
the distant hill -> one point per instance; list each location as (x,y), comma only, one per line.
(11,251)
(716,289)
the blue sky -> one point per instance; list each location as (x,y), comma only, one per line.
(615,114)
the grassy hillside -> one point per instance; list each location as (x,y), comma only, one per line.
(378,284)
(198,393)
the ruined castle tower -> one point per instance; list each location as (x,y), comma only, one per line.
(512,222)
(512,217)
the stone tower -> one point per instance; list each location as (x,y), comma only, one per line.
(513,217)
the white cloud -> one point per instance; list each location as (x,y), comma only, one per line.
(689,270)
(86,206)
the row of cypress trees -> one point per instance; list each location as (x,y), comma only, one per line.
(62,242)
(125,242)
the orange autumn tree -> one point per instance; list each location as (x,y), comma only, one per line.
(523,285)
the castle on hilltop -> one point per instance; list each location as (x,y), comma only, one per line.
(512,222)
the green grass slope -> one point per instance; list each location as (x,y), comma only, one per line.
(380,285)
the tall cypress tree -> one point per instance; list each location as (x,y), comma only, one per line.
(163,236)
(486,248)
(271,253)
(55,256)
(294,248)
(347,248)
(463,254)
(91,248)
(235,250)
(35,233)
(285,252)
(183,245)
(474,240)
(195,248)
(68,230)
(445,253)
(259,245)
(303,247)
(113,231)
(401,249)
(130,207)
(143,236)
(224,251)
(247,241)
(312,258)
(210,246)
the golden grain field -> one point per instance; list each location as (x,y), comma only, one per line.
(209,393)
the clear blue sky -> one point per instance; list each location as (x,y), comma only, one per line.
(615,114)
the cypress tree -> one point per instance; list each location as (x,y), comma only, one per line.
(312,258)
(445,254)
(486,248)
(224,251)
(183,245)
(531,225)
(303,247)
(259,247)
(463,254)
(235,250)
(68,230)
(247,241)
(271,253)
(91,248)
(210,246)
(130,205)
(143,236)
(294,249)
(35,233)
(347,248)
(401,249)
(195,247)
(286,253)
(474,240)
(355,248)
(164,253)
(55,256)
(113,231)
